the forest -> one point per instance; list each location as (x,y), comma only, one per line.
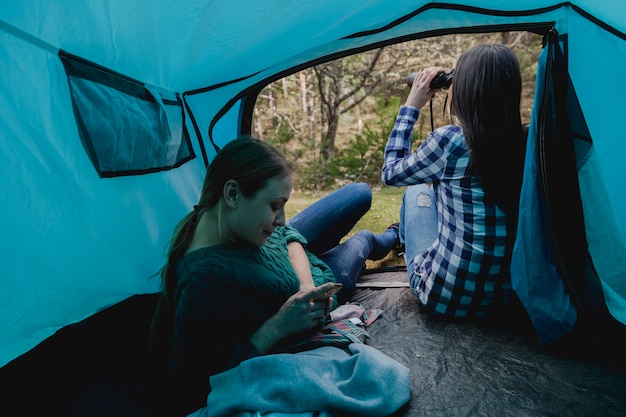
(334,118)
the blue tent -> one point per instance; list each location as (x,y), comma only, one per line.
(111,111)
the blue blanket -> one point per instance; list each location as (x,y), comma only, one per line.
(363,382)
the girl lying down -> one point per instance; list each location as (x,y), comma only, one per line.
(243,285)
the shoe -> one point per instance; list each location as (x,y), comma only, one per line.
(394,226)
(399,248)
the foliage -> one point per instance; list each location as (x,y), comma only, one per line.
(281,135)
(362,158)
(344,84)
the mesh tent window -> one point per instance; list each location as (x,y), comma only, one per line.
(126,127)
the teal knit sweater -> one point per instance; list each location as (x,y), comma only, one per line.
(224,294)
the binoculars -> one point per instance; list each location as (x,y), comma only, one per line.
(442,80)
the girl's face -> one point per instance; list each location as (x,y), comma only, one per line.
(255,218)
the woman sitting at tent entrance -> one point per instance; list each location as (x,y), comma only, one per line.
(240,279)
(458,216)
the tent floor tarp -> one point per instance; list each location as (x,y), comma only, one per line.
(490,368)
(99,367)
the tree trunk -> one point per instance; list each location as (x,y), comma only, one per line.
(328,146)
(506,38)
(303,91)
(285,87)
(259,125)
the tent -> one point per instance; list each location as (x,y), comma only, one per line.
(111,111)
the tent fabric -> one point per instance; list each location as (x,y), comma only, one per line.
(76,243)
(552,270)
(538,264)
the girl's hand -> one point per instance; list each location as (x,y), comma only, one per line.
(420,92)
(302,311)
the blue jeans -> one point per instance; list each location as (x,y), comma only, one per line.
(418,215)
(325,222)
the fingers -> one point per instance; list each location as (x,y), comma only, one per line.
(328,307)
(323,292)
(304,310)
(420,92)
(425,76)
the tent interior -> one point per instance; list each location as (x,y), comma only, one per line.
(112,110)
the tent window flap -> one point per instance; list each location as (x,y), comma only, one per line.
(126,127)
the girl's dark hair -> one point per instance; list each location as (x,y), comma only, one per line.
(249,161)
(486,99)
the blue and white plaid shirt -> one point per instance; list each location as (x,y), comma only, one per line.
(460,274)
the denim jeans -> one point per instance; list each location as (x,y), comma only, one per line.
(325,222)
(418,215)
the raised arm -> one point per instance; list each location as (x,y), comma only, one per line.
(401,167)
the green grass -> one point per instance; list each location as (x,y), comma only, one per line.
(385,207)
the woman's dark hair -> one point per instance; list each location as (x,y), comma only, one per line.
(249,161)
(486,99)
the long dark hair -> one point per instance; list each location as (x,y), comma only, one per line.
(249,161)
(486,99)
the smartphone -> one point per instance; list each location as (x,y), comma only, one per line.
(336,287)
